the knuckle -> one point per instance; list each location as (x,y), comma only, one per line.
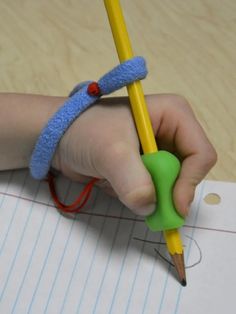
(180,103)
(211,157)
(183,103)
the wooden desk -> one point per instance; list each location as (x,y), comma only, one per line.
(48,46)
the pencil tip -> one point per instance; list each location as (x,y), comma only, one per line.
(183,283)
(178,261)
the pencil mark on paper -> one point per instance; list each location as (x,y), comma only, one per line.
(87,213)
(162,256)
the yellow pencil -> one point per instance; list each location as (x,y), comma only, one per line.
(142,120)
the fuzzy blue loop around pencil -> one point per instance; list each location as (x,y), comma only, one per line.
(78,101)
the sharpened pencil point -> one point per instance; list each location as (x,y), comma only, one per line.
(178,261)
(184,283)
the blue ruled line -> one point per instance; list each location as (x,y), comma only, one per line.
(77,257)
(122,268)
(44,265)
(46,258)
(12,216)
(59,267)
(92,260)
(30,259)
(107,264)
(180,289)
(4,196)
(192,236)
(18,246)
(136,272)
(151,277)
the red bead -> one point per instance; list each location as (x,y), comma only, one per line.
(93,89)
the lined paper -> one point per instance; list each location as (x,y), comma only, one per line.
(105,260)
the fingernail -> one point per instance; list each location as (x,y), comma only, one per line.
(146,210)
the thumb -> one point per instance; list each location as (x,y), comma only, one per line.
(125,171)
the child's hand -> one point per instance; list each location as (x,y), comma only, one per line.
(103,143)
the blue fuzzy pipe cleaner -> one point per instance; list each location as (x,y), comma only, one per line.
(82,96)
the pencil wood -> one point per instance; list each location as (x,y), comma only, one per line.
(178,261)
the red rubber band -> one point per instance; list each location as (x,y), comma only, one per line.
(76,206)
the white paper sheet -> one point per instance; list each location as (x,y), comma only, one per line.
(99,262)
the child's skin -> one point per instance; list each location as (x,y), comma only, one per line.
(103,143)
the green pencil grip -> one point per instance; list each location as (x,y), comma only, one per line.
(164,168)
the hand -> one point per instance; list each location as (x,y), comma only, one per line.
(103,143)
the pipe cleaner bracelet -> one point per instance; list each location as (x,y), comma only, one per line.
(81,97)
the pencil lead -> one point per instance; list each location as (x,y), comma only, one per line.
(183,283)
(178,261)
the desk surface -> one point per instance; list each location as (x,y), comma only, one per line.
(48,46)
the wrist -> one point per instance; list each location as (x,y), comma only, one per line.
(22,119)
